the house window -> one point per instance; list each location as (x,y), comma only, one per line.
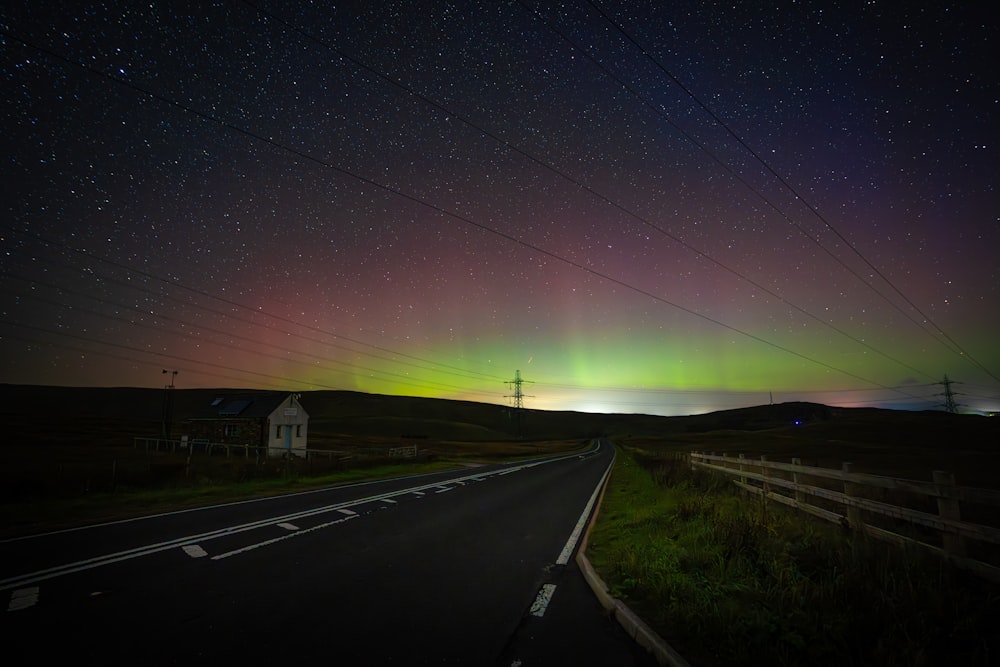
(230,430)
(298,430)
(277,431)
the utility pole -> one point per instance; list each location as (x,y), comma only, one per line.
(949,396)
(518,397)
(167,399)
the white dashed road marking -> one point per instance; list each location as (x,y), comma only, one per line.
(288,526)
(21,581)
(22,598)
(542,600)
(265,543)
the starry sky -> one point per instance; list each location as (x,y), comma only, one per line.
(656,207)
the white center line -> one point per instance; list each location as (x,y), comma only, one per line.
(542,600)
(194,551)
(265,543)
(23,579)
(288,526)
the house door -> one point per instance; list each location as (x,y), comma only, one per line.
(288,437)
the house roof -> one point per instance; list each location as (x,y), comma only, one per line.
(240,406)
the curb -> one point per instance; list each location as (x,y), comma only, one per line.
(636,628)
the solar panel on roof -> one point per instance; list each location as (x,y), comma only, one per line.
(234,408)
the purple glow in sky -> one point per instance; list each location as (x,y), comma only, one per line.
(665,208)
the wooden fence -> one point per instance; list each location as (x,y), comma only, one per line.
(227,449)
(852,499)
(257,452)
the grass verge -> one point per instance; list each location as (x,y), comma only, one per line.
(728,580)
(52,488)
(25,518)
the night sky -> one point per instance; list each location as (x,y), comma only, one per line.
(662,207)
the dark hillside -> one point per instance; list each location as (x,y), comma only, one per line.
(75,415)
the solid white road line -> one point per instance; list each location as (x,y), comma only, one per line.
(542,600)
(194,551)
(244,502)
(574,537)
(23,598)
(11,583)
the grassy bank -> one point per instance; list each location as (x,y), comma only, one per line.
(728,580)
(47,514)
(51,488)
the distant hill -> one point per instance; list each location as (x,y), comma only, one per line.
(79,411)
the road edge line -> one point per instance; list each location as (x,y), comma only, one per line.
(636,628)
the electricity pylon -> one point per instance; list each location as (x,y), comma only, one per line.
(518,397)
(949,396)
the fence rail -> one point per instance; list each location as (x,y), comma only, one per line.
(796,485)
(261,452)
(228,449)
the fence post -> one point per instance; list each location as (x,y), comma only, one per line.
(800,496)
(765,487)
(948,508)
(763,473)
(743,480)
(851,490)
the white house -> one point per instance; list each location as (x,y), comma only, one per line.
(276,422)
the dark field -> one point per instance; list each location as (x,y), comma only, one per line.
(63,447)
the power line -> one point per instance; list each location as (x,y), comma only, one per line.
(193,370)
(551,168)
(412,198)
(794,192)
(353,368)
(446,369)
(767,201)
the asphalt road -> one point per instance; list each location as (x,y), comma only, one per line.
(469,567)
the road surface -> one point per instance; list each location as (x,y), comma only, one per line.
(470,567)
